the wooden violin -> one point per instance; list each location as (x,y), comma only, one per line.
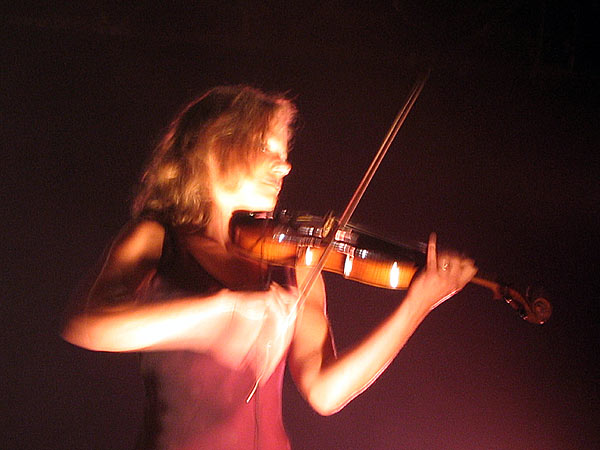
(334,245)
(356,254)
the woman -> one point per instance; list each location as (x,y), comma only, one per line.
(214,330)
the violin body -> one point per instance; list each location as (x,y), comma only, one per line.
(356,254)
(298,239)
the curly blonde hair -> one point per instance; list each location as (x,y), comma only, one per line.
(227,125)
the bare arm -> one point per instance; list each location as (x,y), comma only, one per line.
(113,318)
(329,382)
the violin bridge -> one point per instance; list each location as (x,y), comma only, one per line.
(328,224)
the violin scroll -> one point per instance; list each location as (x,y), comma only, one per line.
(532,307)
(540,306)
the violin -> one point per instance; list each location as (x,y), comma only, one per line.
(288,239)
(334,245)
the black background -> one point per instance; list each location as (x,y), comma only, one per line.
(499,156)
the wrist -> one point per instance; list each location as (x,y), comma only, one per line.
(415,306)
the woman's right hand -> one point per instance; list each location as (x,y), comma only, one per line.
(261,327)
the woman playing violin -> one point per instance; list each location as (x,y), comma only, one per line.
(213,329)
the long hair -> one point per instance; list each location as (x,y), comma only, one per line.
(219,134)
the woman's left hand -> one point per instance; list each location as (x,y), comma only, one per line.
(444,275)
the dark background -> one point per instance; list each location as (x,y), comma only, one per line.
(499,156)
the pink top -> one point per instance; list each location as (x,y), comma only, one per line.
(192,401)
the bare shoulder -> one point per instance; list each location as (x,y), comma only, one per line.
(139,240)
(133,256)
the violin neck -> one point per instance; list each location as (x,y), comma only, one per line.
(486,280)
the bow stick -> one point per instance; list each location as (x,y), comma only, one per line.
(360,190)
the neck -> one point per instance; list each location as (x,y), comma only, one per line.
(218,227)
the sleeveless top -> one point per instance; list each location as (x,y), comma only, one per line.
(194,402)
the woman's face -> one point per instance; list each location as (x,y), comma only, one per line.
(258,189)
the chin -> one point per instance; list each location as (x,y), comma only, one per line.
(266,204)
